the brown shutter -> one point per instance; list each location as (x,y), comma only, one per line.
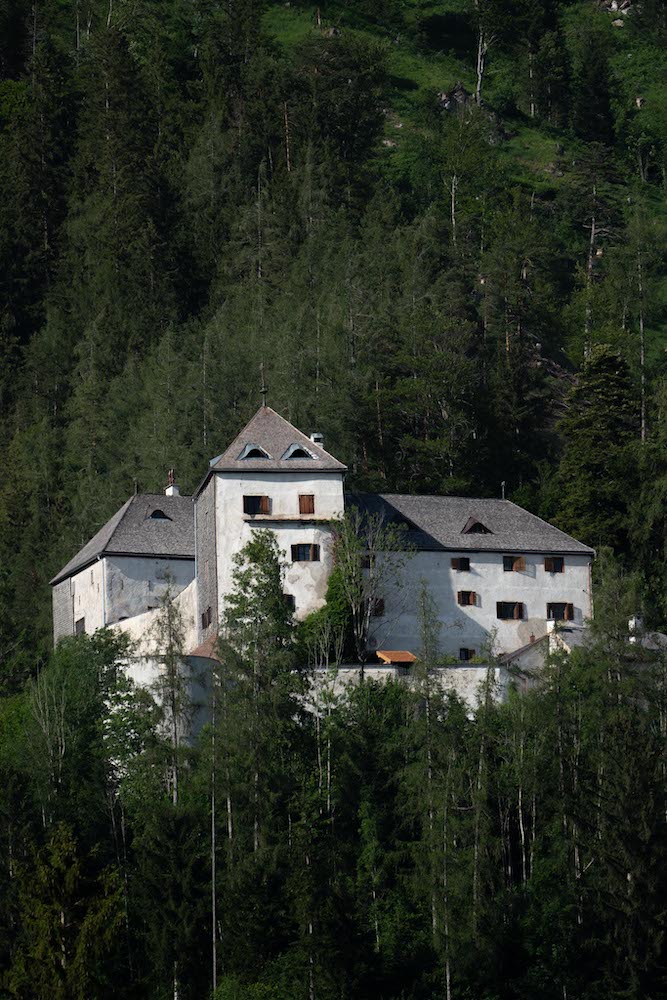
(306,503)
(569,612)
(548,564)
(314,553)
(264,505)
(518,610)
(455,564)
(459,597)
(473,598)
(520,564)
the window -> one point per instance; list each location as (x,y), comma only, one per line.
(306,503)
(253,451)
(508,610)
(461,565)
(554,564)
(159,515)
(290,602)
(297,451)
(80,626)
(466,654)
(514,564)
(206,618)
(560,612)
(475,527)
(378,607)
(466,598)
(305,553)
(256,505)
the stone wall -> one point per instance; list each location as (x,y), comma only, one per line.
(206,560)
(63,614)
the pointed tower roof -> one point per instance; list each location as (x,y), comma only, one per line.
(269,443)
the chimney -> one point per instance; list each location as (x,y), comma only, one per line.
(317,438)
(635,624)
(171,490)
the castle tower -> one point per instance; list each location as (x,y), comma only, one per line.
(271,476)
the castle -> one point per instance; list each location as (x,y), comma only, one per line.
(496,573)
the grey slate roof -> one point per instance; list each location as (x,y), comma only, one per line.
(271,432)
(132,531)
(437,523)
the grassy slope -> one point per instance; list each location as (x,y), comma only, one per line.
(532,149)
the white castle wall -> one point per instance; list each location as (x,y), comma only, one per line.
(477,627)
(467,682)
(306,581)
(134,584)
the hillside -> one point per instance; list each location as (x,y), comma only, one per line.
(453,270)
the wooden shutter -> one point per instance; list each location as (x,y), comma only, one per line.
(264,505)
(455,563)
(518,610)
(473,599)
(548,564)
(306,503)
(314,553)
(459,597)
(569,612)
(520,564)
(295,553)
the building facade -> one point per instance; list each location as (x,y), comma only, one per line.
(497,575)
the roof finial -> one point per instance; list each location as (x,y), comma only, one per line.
(502,489)
(263,391)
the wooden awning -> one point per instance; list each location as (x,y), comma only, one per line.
(396,656)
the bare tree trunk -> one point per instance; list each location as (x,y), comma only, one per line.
(481,59)
(288,160)
(642,344)
(453,187)
(531,83)
(588,321)
(214,897)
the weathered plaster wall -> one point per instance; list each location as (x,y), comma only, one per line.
(63,611)
(143,631)
(467,682)
(205,542)
(306,581)
(134,584)
(477,627)
(88,601)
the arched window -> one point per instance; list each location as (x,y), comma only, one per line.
(253,451)
(159,515)
(297,451)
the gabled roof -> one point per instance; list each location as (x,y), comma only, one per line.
(133,532)
(439,523)
(274,435)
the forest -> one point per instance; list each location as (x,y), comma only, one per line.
(438,228)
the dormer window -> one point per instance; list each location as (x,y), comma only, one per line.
(475,527)
(159,515)
(253,451)
(297,451)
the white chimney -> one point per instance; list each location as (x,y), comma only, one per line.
(635,624)
(171,489)
(317,438)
